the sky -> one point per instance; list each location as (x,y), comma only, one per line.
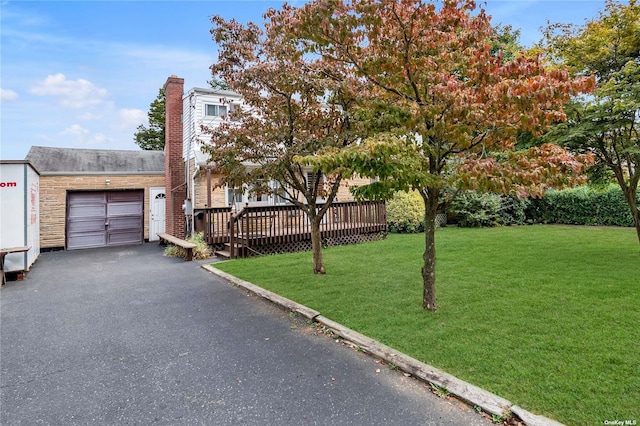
(81,74)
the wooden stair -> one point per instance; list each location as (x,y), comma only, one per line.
(226,252)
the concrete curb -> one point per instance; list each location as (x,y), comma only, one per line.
(473,395)
(533,419)
(470,394)
(265,294)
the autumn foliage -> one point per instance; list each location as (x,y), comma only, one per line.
(415,94)
(293,106)
(461,104)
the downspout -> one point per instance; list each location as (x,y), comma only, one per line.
(209,186)
(193,197)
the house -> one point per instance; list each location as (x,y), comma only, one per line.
(98,197)
(195,202)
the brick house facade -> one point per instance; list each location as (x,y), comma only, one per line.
(67,171)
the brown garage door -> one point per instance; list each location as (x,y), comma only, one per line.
(104,218)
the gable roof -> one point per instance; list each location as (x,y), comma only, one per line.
(73,161)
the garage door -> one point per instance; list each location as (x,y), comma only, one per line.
(104,218)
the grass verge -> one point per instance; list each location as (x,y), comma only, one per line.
(545,316)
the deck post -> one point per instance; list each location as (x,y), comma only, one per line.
(232,239)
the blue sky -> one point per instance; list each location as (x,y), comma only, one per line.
(81,74)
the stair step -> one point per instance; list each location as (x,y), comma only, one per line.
(223,253)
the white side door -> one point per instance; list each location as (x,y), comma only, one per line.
(157,212)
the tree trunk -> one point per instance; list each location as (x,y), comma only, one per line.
(430,196)
(316,244)
(630,194)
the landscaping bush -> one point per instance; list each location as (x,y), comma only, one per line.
(583,205)
(405,213)
(513,210)
(475,209)
(202,250)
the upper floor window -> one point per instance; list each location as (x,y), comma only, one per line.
(215,110)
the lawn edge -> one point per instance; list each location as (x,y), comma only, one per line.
(466,392)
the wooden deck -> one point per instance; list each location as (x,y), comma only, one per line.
(277,229)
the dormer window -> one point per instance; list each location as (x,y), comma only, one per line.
(211,110)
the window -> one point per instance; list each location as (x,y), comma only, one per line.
(232,108)
(278,192)
(215,110)
(238,197)
(234,196)
(258,197)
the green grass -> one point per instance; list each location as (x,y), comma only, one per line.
(545,316)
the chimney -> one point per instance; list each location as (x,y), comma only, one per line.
(175,185)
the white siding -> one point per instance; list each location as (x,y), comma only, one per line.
(188,124)
(194,117)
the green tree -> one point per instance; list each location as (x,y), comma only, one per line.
(506,42)
(606,123)
(152,138)
(461,100)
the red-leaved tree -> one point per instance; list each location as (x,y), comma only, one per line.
(293,106)
(460,102)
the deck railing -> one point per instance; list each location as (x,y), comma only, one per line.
(214,223)
(257,226)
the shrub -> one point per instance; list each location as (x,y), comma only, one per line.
(474,209)
(405,213)
(513,210)
(202,250)
(583,205)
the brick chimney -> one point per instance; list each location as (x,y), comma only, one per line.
(175,184)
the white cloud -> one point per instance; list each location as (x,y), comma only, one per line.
(90,116)
(78,93)
(8,95)
(82,137)
(75,130)
(132,118)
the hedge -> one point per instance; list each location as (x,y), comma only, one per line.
(583,205)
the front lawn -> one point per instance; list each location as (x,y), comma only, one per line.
(545,316)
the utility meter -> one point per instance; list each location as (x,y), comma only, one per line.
(186,208)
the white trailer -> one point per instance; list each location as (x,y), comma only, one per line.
(19,213)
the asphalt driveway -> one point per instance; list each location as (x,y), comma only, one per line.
(123,336)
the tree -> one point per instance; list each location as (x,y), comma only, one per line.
(505,42)
(606,123)
(293,106)
(462,102)
(152,137)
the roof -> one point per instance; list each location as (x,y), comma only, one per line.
(68,161)
(210,91)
